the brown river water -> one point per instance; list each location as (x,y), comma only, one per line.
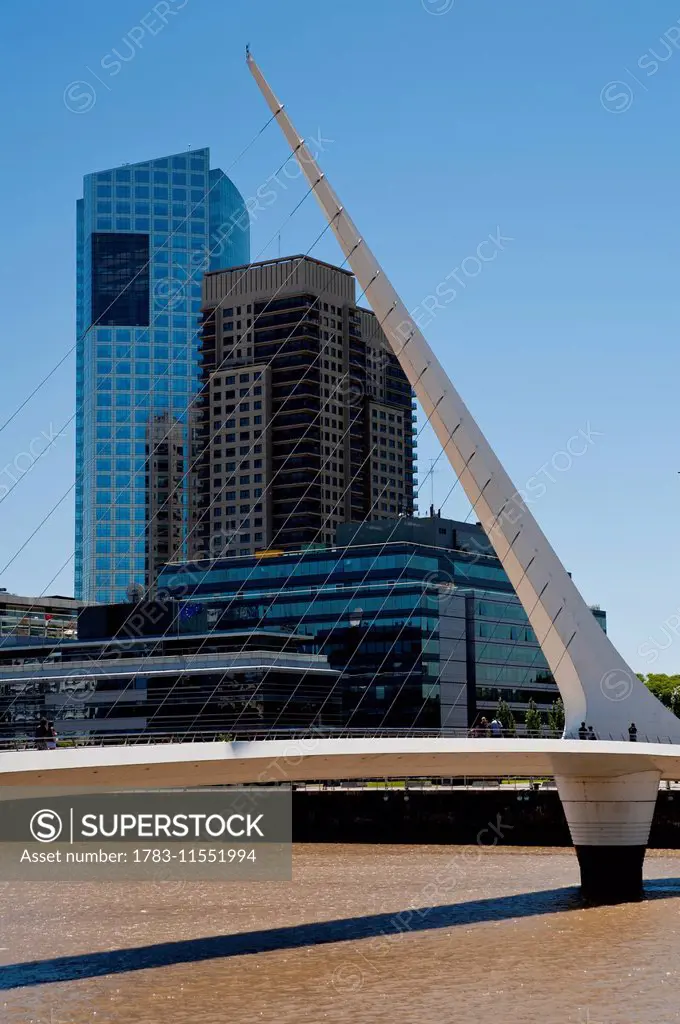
(393,934)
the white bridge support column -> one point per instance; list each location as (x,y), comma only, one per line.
(609,819)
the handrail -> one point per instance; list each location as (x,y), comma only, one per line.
(150,737)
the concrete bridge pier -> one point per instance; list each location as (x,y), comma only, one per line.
(609,818)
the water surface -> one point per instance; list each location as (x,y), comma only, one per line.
(393,934)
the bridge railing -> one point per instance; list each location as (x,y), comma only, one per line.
(147,737)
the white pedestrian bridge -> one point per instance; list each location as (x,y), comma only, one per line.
(311,757)
(608,788)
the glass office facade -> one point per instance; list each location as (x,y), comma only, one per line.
(51,617)
(422,633)
(145,235)
(376,613)
(173,684)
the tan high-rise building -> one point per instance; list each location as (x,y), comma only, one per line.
(304,419)
(165,493)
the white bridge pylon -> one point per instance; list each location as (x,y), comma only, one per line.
(596,684)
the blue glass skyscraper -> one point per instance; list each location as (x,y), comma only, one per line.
(145,234)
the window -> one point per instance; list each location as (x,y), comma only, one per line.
(120,279)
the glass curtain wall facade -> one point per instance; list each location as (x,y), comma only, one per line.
(417,616)
(146,233)
(52,617)
(374,614)
(170,684)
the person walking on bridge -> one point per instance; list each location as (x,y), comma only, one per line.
(41,734)
(632,732)
(496,729)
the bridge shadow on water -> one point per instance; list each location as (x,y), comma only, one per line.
(370,926)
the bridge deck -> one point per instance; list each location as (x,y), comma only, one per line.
(313,758)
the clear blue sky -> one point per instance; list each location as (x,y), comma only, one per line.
(445,127)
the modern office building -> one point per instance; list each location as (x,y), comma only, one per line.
(403,624)
(305,418)
(145,668)
(417,616)
(50,618)
(146,232)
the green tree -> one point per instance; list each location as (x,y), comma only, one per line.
(556,717)
(532,720)
(506,718)
(675,702)
(662,686)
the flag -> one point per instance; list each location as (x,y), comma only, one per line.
(189,610)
